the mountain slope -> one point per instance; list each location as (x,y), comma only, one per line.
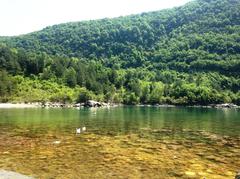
(192,53)
(145,33)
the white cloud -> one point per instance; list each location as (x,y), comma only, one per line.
(23,16)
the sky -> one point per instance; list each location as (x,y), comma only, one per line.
(24,16)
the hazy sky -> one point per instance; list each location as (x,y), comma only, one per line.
(23,16)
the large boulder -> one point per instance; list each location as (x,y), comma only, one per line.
(92,103)
(226,105)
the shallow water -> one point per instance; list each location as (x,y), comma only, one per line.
(122,142)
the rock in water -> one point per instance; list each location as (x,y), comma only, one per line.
(57,142)
(91,103)
(12,175)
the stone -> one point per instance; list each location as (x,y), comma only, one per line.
(226,105)
(92,103)
(9,174)
(78,105)
(190,174)
(57,142)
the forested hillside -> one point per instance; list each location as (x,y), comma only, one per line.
(186,55)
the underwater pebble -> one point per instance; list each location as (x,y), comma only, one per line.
(229,173)
(202,173)
(209,171)
(189,173)
(57,142)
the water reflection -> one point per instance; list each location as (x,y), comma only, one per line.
(123,120)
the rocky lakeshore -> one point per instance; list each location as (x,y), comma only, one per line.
(88,104)
(96,104)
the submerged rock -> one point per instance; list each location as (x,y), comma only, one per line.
(190,173)
(57,142)
(9,174)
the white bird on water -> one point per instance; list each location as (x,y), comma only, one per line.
(79,130)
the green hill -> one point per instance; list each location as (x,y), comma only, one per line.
(185,55)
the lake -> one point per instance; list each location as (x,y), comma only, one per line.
(121,142)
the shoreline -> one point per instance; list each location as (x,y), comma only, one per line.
(18,105)
(10,105)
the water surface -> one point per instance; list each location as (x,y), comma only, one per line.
(122,142)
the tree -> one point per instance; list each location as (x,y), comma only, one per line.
(70,77)
(7,86)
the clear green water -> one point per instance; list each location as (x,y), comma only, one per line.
(122,142)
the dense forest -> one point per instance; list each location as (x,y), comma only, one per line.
(188,55)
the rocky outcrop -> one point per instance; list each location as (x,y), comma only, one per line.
(92,103)
(226,105)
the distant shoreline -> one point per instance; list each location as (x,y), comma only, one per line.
(59,105)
